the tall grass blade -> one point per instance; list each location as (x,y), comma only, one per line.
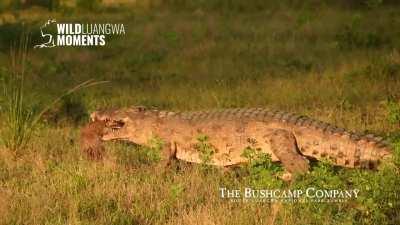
(20,119)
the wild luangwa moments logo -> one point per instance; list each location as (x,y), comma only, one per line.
(77,34)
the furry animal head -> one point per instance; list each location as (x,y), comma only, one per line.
(118,123)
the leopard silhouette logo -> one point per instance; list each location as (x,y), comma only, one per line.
(49,41)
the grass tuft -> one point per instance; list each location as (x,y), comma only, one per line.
(20,117)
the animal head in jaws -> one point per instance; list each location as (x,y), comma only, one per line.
(114,124)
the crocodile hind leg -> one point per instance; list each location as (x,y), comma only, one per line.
(283,146)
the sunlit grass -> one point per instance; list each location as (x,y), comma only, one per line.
(340,65)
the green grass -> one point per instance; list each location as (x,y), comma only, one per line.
(18,117)
(21,118)
(338,62)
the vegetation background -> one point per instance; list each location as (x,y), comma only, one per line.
(338,61)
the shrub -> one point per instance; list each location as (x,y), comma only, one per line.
(88,4)
(353,36)
(393,109)
(71,109)
(373,3)
(262,172)
(4,5)
(153,149)
(206,150)
(49,4)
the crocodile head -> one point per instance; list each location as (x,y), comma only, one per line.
(118,124)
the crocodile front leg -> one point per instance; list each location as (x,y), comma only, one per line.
(283,146)
(168,153)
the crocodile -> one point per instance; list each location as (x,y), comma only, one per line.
(290,138)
